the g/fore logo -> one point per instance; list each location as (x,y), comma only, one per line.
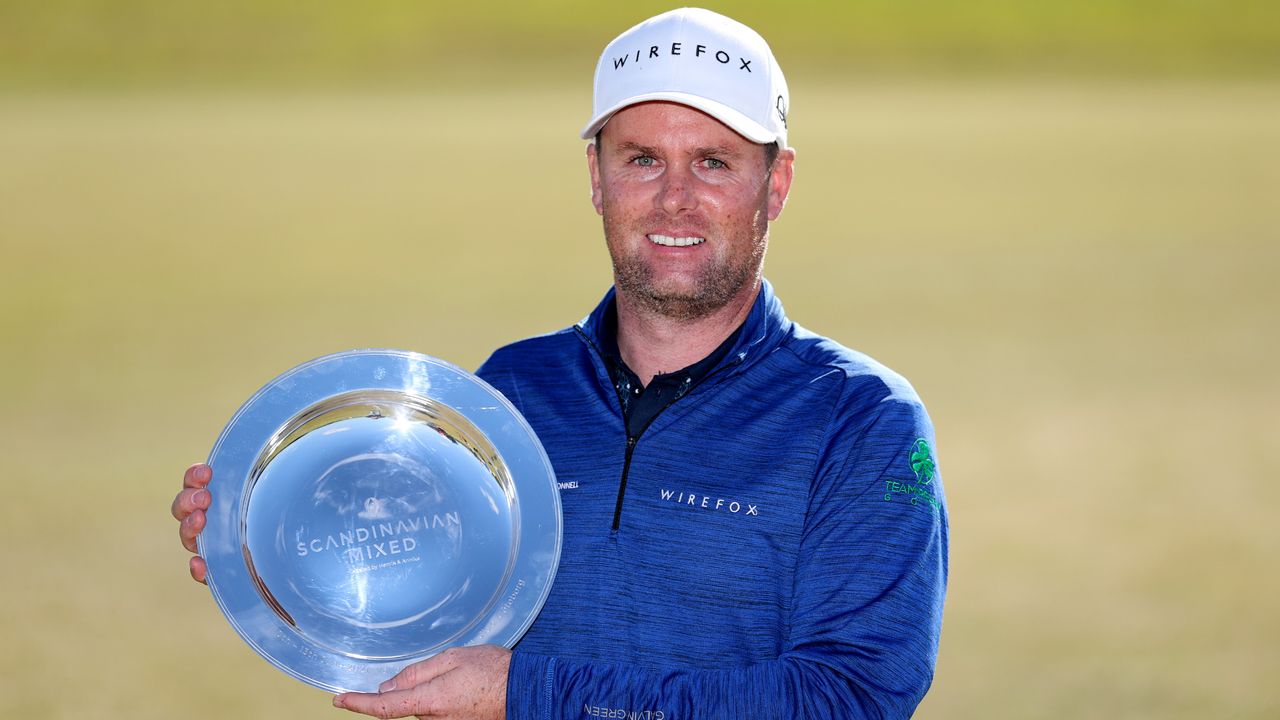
(698,51)
(706,502)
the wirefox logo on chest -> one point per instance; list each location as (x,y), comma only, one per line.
(706,502)
(677,48)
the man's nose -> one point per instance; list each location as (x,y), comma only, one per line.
(676,193)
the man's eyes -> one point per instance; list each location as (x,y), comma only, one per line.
(649,161)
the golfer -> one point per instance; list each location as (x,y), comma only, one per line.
(754,521)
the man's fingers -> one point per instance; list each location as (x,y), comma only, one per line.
(401,695)
(199,570)
(188,508)
(189,528)
(193,496)
(422,672)
(190,500)
(197,476)
(395,704)
(465,682)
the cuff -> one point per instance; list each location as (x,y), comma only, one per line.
(529,686)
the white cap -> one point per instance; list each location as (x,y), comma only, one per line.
(697,58)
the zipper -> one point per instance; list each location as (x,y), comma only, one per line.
(622,484)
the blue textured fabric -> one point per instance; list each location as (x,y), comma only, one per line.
(782,544)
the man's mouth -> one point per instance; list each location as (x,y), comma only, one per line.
(668,241)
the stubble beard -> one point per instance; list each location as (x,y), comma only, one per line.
(715,285)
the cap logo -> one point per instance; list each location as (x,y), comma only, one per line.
(702,59)
(676,48)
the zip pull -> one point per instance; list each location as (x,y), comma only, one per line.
(622,485)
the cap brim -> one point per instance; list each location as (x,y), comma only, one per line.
(734,120)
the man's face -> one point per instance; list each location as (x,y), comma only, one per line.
(686,204)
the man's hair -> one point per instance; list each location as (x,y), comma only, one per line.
(770,152)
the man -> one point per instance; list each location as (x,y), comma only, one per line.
(754,526)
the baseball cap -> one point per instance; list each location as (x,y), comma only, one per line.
(698,58)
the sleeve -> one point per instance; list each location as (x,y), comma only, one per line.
(867,604)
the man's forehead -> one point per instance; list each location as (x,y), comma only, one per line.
(661,122)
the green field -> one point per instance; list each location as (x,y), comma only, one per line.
(259,42)
(1079,277)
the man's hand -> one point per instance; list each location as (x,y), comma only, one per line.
(467,683)
(188,509)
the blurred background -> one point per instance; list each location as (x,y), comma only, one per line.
(1060,219)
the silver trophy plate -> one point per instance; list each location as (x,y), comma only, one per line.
(372,508)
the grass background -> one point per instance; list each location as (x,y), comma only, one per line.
(1059,220)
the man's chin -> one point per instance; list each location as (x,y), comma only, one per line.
(677,296)
(681,305)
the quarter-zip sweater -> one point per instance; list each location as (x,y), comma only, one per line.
(781,547)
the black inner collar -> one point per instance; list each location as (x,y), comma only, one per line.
(640,403)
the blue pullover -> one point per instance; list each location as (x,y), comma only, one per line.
(781,545)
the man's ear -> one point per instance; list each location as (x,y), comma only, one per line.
(780,177)
(593,166)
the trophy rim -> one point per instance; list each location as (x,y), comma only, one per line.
(248,435)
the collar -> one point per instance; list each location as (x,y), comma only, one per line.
(763,330)
(688,376)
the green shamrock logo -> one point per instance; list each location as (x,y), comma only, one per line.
(922,462)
